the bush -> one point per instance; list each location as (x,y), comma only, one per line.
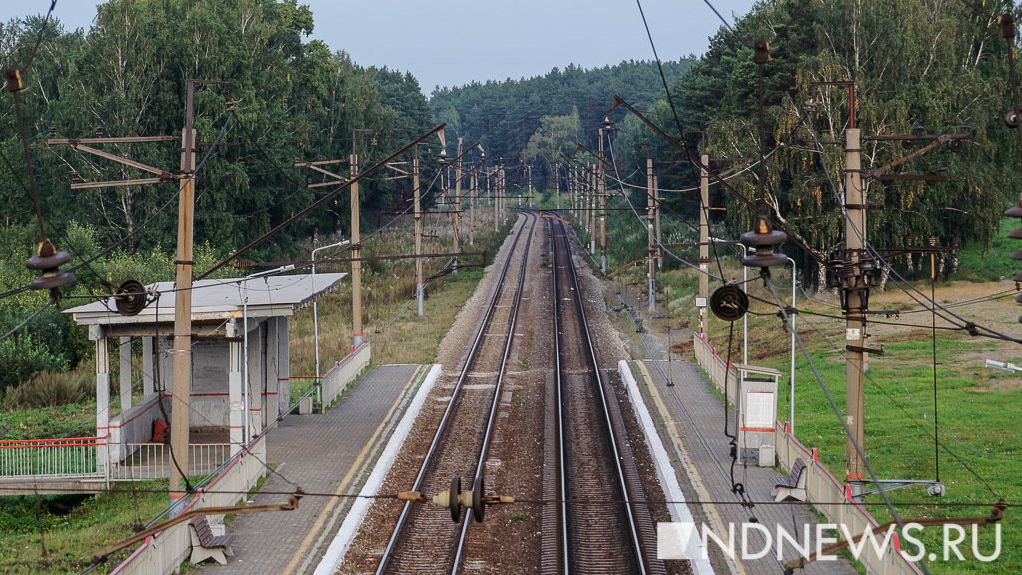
(21,358)
(50,388)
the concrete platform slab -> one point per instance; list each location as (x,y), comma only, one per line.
(328,453)
(691,415)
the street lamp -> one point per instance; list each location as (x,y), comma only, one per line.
(315,315)
(791,376)
(244,315)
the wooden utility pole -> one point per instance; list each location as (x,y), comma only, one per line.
(529,168)
(474,193)
(650,232)
(457,207)
(491,184)
(659,239)
(182,348)
(503,193)
(419,295)
(704,241)
(557,185)
(571,190)
(592,209)
(601,191)
(182,360)
(356,252)
(857,300)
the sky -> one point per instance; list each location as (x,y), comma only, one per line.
(454,42)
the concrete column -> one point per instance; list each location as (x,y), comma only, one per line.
(124,378)
(97,334)
(283,366)
(148,375)
(234,400)
(276,372)
(256,374)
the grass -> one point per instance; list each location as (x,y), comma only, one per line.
(397,335)
(978,430)
(976,263)
(71,528)
(54,421)
(518,516)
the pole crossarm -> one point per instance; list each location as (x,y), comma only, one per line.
(116,183)
(79,144)
(111,140)
(323,200)
(936,143)
(339,178)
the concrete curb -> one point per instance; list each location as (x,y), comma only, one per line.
(665,472)
(334,555)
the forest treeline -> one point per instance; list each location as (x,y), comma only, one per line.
(537,119)
(925,68)
(296,100)
(125,76)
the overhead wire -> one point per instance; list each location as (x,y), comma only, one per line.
(837,413)
(681,132)
(899,281)
(869,377)
(152,217)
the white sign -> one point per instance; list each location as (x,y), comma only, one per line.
(700,302)
(759,409)
(853,333)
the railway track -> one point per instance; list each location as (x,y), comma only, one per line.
(596,531)
(424,539)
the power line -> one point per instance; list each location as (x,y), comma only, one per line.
(899,281)
(837,413)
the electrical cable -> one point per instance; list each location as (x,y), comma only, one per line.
(719,17)
(595,502)
(914,420)
(660,244)
(681,132)
(715,182)
(837,413)
(39,38)
(161,390)
(170,201)
(25,321)
(899,281)
(318,203)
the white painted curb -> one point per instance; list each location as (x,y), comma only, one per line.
(334,555)
(665,471)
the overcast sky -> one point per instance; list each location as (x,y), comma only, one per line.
(453,42)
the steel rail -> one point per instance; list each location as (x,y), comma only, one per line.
(622,482)
(492,417)
(562,464)
(455,395)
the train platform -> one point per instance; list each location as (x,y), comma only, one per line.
(691,422)
(329,453)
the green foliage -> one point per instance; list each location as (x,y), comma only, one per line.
(570,103)
(50,389)
(947,72)
(126,74)
(990,263)
(555,137)
(21,358)
(73,527)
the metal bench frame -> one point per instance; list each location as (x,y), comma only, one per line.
(794,485)
(205,545)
